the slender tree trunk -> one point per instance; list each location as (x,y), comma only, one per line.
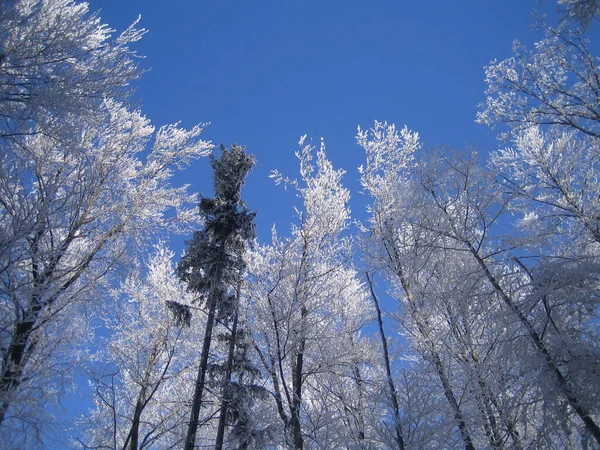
(14,359)
(226,400)
(462,426)
(490,401)
(134,433)
(297,390)
(484,396)
(270,367)
(360,420)
(141,402)
(274,365)
(388,369)
(488,419)
(190,438)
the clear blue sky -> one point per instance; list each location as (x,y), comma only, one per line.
(266,72)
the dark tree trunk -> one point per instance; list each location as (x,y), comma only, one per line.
(135,425)
(388,369)
(297,391)
(190,438)
(230,356)
(14,360)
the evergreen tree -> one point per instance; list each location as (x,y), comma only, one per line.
(214,259)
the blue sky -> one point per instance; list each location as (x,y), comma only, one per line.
(266,72)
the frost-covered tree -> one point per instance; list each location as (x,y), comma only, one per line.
(386,178)
(214,261)
(553,177)
(517,277)
(555,83)
(549,98)
(467,299)
(308,312)
(57,64)
(582,11)
(146,371)
(77,198)
(70,216)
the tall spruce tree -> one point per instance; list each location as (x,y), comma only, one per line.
(214,258)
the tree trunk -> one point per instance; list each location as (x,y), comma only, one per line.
(13,363)
(486,401)
(230,356)
(360,420)
(297,390)
(435,360)
(388,369)
(190,438)
(490,401)
(133,437)
(134,433)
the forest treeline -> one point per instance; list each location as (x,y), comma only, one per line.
(462,313)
